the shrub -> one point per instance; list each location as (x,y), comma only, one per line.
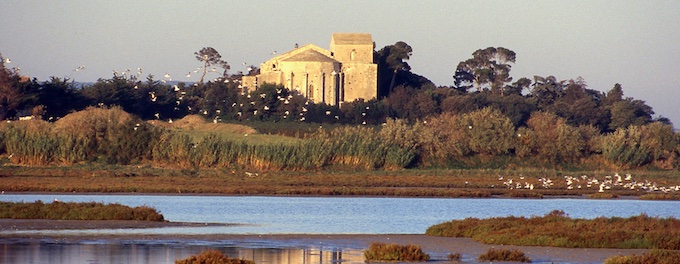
(454,257)
(442,139)
(488,131)
(394,252)
(557,230)
(77,211)
(212,257)
(550,138)
(653,256)
(624,148)
(504,255)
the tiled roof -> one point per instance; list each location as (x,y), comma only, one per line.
(352,38)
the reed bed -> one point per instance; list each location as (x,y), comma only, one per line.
(558,230)
(394,252)
(112,136)
(212,256)
(77,211)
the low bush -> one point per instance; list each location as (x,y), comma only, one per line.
(454,257)
(212,257)
(504,255)
(394,252)
(77,211)
(651,257)
(558,230)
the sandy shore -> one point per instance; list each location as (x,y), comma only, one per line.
(438,247)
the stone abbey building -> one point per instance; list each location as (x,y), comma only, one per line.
(344,73)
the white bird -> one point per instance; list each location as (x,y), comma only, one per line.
(7,60)
(628,177)
(273,52)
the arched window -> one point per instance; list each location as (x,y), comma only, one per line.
(352,54)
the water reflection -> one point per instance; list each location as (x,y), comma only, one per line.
(163,252)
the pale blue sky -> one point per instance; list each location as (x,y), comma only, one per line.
(635,43)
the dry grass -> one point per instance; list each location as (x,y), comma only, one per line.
(198,128)
(234,180)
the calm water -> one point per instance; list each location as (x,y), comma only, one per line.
(348,215)
(290,215)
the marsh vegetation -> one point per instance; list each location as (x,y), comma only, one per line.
(57,210)
(558,230)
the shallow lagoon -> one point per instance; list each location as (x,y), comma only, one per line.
(286,215)
(348,215)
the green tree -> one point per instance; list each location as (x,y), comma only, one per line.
(488,67)
(546,91)
(393,59)
(629,112)
(16,92)
(210,57)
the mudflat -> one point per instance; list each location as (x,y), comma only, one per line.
(438,247)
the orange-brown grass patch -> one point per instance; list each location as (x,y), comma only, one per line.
(653,256)
(603,195)
(77,211)
(558,230)
(660,196)
(504,255)
(212,257)
(394,252)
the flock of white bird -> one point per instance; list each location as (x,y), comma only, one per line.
(587,182)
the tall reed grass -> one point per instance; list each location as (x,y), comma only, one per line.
(112,136)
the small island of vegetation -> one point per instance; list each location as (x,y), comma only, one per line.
(558,230)
(77,211)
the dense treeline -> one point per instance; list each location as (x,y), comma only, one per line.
(483,117)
